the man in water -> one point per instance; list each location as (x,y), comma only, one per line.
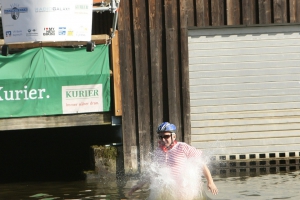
(178,167)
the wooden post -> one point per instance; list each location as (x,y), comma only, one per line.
(217,12)
(172,59)
(202,13)
(156,59)
(127,89)
(186,119)
(249,12)
(264,11)
(189,11)
(142,80)
(233,12)
(294,11)
(280,11)
(115,55)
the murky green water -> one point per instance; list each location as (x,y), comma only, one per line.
(263,187)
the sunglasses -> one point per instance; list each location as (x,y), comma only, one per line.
(164,136)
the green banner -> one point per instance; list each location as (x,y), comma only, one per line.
(53,81)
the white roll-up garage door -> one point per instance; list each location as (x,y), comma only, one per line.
(245,89)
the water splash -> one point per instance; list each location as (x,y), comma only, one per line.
(187,185)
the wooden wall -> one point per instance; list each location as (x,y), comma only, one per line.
(154,60)
(202,13)
(153,49)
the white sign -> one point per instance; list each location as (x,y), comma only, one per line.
(82,99)
(46,20)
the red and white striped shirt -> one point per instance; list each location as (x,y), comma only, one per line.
(176,158)
(176,173)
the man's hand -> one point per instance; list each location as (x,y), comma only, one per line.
(133,189)
(139,185)
(213,188)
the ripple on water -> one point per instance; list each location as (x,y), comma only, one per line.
(266,187)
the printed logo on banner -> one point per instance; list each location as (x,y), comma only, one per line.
(49,31)
(81,9)
(31,32)
(52,9)
(15,11)
(62,30)
(17,33)
(70,32)
(82,98)
(8,34)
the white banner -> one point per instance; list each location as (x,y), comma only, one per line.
(82,98)
(46,20)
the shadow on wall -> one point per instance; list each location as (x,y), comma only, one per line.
(52,154)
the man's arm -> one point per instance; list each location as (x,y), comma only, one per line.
(210,182)
(139,185)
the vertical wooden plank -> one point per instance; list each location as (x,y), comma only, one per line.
(127,89)
(172,55)
(294,11)
(115,54)
(155,26)
(280,11)
(202,13)
(190,12)
(217,13)
(249,12)
(233,12)
(185,87)
(142,79)
(264,11)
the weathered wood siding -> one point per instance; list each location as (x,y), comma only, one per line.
(154,59)
(154,83)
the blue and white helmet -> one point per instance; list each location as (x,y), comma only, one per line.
(166,127)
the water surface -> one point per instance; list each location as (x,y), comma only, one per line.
(262,187)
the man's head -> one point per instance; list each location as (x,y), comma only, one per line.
(166,133)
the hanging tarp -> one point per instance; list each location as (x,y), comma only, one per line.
(52,81)
(46,20)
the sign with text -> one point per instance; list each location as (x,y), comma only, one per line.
(46,20)
(82,98)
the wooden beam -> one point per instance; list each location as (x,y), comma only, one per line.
(156,59)
(98,39)
(202,13)
(128,91)
(185,87)
(172,64)
(99,1)
(142,80)
(115,57)
(294,11)
(249,12)
(264,11)
(233,12)
(55,121)
(217,13)
(280,11)
(190,12)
